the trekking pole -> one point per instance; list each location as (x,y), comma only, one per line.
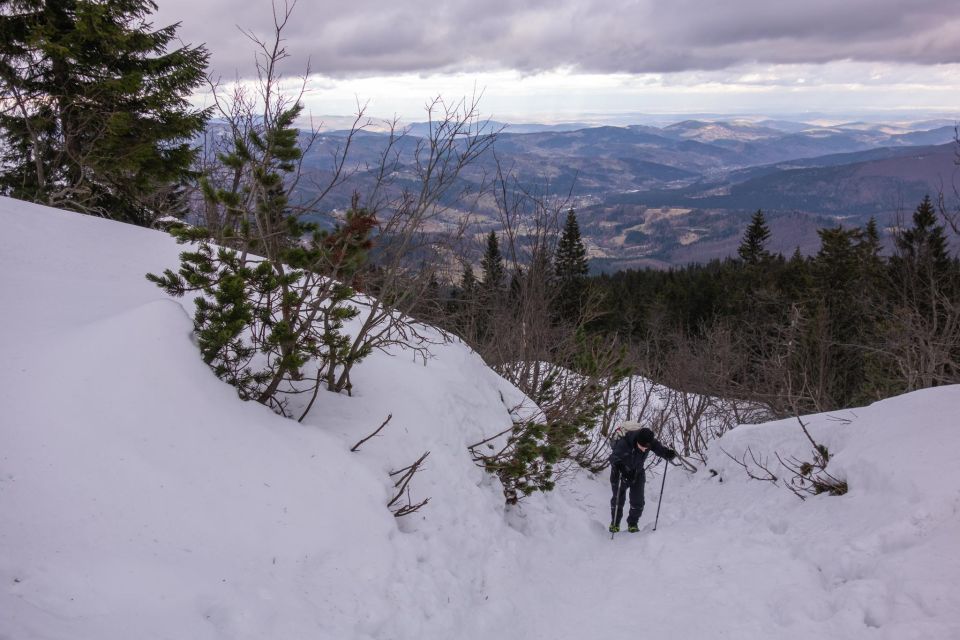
(665,465)
(617,509)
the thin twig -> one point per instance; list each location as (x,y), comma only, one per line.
(408,469)
(493,437)
(313,398)
(401,486)
(357,446)
(770,477)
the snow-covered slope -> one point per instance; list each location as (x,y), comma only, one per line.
(140,499)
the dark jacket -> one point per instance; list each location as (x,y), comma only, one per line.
(629,459)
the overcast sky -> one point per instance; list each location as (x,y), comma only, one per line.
(543,60)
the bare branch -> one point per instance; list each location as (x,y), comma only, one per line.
(357,446)
(767,476)
(401,486)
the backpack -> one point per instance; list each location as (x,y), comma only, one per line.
(623,429)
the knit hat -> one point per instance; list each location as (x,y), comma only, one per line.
(645,437)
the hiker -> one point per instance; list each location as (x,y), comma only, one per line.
(626,472)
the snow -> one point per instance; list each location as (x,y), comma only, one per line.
(140,498)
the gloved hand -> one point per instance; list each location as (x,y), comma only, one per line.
(670,454)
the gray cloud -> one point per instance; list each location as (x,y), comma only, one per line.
(369,37)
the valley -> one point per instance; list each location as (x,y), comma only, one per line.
(661,196)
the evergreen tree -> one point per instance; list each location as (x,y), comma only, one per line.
(870,278)
(835,264)
(570,269)
(923,334)
(274,292)
(872,306)
(869,241)
(752,248)
(922,249)
(796,277)
(462,309)
(570,261)
(835,370)
(98,119)
(923,271)
(572,405)
(492,266)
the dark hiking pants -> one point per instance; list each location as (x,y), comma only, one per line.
(620,482)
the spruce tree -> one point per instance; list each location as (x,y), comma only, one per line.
(570,261)
(461,309)
(753,246)
(871,306)
(836,263)
(492,266)
(835,370)
(923,247)
(922,268)
(870,238)
(870,273)
(927,285)
(570,269)
(795,279)
(98,119)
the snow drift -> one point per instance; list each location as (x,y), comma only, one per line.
(140,498)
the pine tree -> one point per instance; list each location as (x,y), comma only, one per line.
(570,269)
(100,119)
(275,292)
(753,247)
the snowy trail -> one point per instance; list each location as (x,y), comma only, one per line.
(744,559)
(690,578)
(139,498)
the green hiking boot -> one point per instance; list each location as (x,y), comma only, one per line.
(614,528)
(633,528)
